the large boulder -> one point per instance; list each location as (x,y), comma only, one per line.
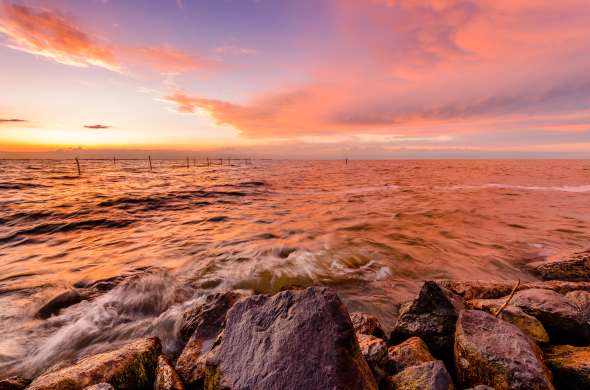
(411,352)
(366,324)
(201,325)
(495,353)
(561,317)
(575,267)
(166,376)
(570,366)
(582,299)
(129,367)
(292,340)
(431,316)
(14,383)
(531,326)
(426,376)
(60,301)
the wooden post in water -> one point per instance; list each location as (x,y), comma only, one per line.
(221,161)
(78,166)
(150,160)
(208,161)
(114,160)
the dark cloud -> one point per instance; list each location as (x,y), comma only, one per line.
(97,127)
(12,120)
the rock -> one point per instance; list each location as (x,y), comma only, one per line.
(570,366)
(431,316)
(374,350)
(575,267)
(481,387)
(495,353)
(292,340)
(531,326)
(166,376)
(472,289)
(411,352)
(14,383)
(129,367)
(560,316)
(582,299)
(202,324)
(366,324)
(426,376)
(562,287)
(61,301)
(100,386)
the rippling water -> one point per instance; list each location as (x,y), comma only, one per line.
(373,230)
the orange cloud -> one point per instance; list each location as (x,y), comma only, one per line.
(168,59)
(48,34)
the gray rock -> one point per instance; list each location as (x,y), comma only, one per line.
(426,376)
(61,301)
(100,386)
(561,317)
(374,350)
(366,324)
(14,383)
(575,267)
(431,316)
(570,366)
(495,353)
(166,376)
(582,299)
(292,340)
(202,324)
(129,367)
(411,352)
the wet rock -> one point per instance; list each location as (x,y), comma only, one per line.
(570,366)
(202,324)
(426,376)
(166,376)
(562,287)
(100,386)
(582,299)
(472,289)
(560,316)
(366,324)
(531,326)
(431,316)
(480,387)
(411,352)
(374,350)
(61,301)
(130,367)
(14,383)
(495,353)
(292,340)
(575,267)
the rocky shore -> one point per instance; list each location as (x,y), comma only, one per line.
(452,335)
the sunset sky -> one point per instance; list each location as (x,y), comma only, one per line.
(299,79)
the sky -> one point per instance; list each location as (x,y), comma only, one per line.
(296,79)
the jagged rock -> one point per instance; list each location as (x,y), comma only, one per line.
(129,367)
(14,383)
(100,386)
(292,340)
(473,289)
(495,353)
(426,376)
(374,350)
(202,324)
(166,376)
(531,326)
(61,301)
(582,299)
(559,286)
(575,267)
(570,366)
(561,317)
(431,316)
(366,324)
(480,387)
(411,352)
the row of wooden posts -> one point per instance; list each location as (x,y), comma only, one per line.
(206,163)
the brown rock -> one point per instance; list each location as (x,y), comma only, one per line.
(100,386)
(472,289)
(374,350)
(431,316)
(202,324)
(561,317)
(411,352)
(129,367)
(480,387)
(166,376)
(14,383)
(366,324)
(426,376)
(292,340)
(570,366)
(582,299)
(575,267)
(61,301)
(495,353)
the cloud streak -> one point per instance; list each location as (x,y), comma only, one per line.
(12,120)
(97,127)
